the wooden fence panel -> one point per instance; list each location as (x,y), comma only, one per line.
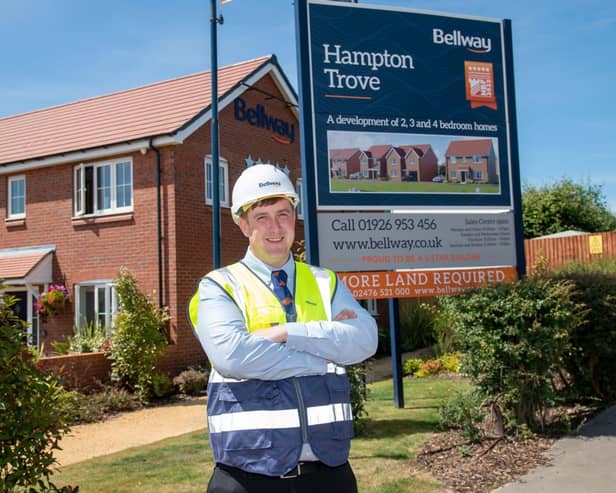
(556,252)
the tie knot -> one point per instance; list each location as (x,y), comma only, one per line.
(279,277)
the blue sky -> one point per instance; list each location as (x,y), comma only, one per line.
(57,51)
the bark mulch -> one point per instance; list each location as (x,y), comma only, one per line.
(481,467)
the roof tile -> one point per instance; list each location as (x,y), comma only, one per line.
(155,109)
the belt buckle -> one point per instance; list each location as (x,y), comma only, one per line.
(294,473)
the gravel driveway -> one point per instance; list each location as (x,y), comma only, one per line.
(131,429)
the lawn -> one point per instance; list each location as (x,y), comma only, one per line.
(382,457)
(340,185)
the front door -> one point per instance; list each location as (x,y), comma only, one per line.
(23,308)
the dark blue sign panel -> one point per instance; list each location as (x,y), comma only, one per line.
(407,108)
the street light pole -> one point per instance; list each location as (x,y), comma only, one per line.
(214,135)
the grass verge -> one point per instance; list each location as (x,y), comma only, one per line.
(382,457)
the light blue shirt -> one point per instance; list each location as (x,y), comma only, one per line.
(236,353)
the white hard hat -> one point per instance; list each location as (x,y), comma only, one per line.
(259,182)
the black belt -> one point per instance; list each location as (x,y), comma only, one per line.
(301,469)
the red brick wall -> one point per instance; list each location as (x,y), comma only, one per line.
(193,235)
(90,251)
(79,371)
(97,251)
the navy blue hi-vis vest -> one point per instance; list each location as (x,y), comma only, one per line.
(259,426)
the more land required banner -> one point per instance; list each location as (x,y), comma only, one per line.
(422,283)
(408,108)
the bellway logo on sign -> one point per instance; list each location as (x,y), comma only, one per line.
(476,44)
(258,117)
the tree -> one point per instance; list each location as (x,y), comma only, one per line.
(33,412)
(565,205)
(138,340)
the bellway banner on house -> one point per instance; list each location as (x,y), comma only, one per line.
(408,108)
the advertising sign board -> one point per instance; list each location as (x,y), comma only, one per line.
(407,108)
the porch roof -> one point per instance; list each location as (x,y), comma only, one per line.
(20,266)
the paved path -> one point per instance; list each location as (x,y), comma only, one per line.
(131,429)
(586,463)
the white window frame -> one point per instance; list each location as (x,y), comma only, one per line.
(452,159)
(299,189)
(477,175)
(11,213)
(476,158)
(79,188)
(223,175)
(111,301)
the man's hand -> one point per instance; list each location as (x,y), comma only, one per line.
(345,314)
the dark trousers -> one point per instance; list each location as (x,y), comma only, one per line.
(317,478)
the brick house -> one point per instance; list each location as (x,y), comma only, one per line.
(388,159)
(346,162)
(471,161)
(420,162)
(124,180)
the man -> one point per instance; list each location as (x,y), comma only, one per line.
(276,332)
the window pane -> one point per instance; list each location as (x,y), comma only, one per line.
(89,195)
(221,184)
(123,185)
(103,187)
(18,196)
(208,181)
(86,305)
(78,191)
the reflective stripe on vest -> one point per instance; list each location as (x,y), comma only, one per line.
(275,420)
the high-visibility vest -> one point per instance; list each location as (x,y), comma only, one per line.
(260,425)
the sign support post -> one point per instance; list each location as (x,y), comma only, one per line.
(396,356)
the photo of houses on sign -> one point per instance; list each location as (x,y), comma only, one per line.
(412,163)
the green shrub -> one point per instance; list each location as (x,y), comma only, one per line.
(32,412)
(162,386)
(462,411)
(445,333)
(451,362)
(138,340)
(514,338)
(95,406)
(192,381)
(591,364)
(416,325)
(411,366)
(429,368)
(416,328)
(86,339)
(359,395)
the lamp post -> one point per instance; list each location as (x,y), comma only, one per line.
(214,138)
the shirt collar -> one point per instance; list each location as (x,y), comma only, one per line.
(264,271)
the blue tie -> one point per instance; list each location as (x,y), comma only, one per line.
(279,280)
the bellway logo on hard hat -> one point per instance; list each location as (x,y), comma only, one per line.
(269,184)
